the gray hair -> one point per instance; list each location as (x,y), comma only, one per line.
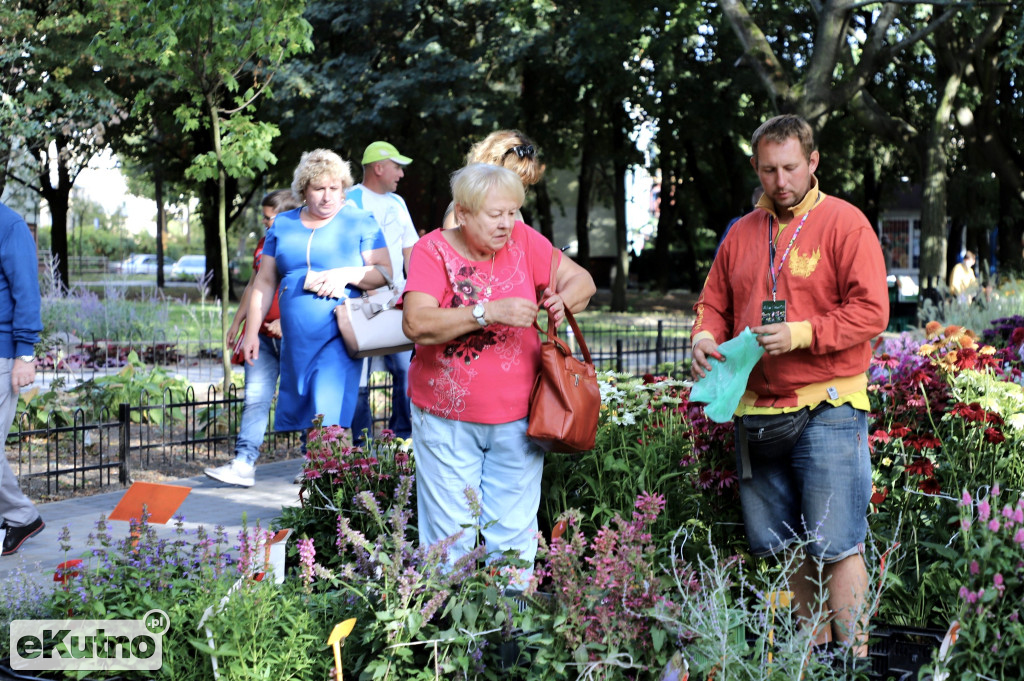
(472,184)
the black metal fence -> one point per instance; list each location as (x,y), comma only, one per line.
(55,459)
(644,347)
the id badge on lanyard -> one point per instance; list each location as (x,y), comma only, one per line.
(774,311)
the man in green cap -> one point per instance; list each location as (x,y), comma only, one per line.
(383,167)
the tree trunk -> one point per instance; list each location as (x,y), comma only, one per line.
(161,222)
(1011,234)
(544,216)
(619,141)
(222,239)
(586,183)
(667,220)
(933,209)
(58,200)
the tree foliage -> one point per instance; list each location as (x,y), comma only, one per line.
(55,109)
(221,57)
(929,92)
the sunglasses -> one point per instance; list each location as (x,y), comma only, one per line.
(522,151)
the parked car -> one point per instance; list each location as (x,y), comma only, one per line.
(141,263)
(189,267)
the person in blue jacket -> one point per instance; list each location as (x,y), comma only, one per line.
(20,326)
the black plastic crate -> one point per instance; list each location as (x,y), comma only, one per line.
(900,652)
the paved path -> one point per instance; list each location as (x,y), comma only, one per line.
(210,503)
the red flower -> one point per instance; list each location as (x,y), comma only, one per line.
(1017,337)
(919,442)
(967,358)
(878,436)
(994,435)
(899,430)
(930,486)
(65,570)
(878,497)
(970,412)
(922,466)
(990,361)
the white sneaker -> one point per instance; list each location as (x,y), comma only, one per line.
(236,472)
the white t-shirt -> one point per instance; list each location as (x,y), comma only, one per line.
(391,213)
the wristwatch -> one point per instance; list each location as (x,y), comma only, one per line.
(478,314)
(27,358)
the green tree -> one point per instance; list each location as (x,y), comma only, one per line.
(55,105)
(222,57)
(820,60)
(430,76)
(992,120)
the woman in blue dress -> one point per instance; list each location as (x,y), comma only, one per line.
(318,253)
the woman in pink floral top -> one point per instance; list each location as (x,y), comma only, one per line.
(470,303)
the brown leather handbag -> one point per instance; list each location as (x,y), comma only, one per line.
(566,401)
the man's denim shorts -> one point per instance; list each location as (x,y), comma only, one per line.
(819,494)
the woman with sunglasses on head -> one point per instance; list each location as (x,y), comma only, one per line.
(510,149)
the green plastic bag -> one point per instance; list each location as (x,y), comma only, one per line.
(723,386)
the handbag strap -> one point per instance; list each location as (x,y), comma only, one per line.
(577,334)
(388,279)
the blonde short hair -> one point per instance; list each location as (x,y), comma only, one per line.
(472,184)
(318,164)
(500,149)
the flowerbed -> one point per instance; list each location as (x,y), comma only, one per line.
(643,564)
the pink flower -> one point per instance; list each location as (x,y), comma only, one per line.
(993,525)
(975,568)
(1019,536)
(998,580)
(307,556)
(966,500)
(984,510)
(995,490)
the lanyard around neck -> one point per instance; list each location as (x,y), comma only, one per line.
(771,250)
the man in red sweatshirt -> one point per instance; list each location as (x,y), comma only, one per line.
(805,272)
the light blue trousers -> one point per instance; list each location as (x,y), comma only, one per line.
(499,462)
(15,508)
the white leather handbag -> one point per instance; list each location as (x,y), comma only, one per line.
(372,323)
